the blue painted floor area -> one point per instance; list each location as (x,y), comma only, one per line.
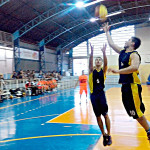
(69,142)
(23,124)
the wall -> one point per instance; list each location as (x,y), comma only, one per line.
(29,64)
(65,62)
(50,59)
(6,52)
(6,60)
(144,50)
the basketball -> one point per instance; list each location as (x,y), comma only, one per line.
(11,97)
(101,12)
(24,94)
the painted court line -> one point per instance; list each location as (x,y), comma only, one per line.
(36,137)
(64,135)
(25,102)
(29,118)
(31,100)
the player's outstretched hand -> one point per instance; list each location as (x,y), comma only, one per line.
(104,48)
(106,27)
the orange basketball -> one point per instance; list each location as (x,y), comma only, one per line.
(11,97)
(101,12)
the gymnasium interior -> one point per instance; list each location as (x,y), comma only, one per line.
(44,47)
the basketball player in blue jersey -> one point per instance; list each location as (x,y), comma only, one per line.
(129,62)
(97,77)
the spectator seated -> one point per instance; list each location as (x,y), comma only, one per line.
(5,94)
(34,88)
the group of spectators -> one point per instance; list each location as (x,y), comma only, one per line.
(41,86)
(31,74)
(47,82)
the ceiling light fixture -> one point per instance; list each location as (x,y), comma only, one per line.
(79,4)
(92,3)
(94,19)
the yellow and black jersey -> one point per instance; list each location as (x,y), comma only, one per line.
(96,81)
(132,100)
(124,62)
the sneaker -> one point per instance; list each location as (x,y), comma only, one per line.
(109,142)
(105,141)
(148,135)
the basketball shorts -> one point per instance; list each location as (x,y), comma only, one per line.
(99,103)
(132,100)
(83,88)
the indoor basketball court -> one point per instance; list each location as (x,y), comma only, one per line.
(66,67)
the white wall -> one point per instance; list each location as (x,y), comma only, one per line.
(6,60)
(144,50)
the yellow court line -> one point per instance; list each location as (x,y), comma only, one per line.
(29,118)
(36,137)
(25,102)
(29,100)
(63,135)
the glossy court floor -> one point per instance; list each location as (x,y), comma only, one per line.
(57,122)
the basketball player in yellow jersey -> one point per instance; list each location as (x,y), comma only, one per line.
(96,82)
(129,62)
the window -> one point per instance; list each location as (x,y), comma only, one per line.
(121,35)
(98,42)
(80,50)
(79,65)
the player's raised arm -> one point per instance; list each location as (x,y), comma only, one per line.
(111,43)
(91,60)
(104,58)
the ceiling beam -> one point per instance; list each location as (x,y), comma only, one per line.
(77,23)
(63,30)
(41,18)
(113,24)
(59,32)
(3,2)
